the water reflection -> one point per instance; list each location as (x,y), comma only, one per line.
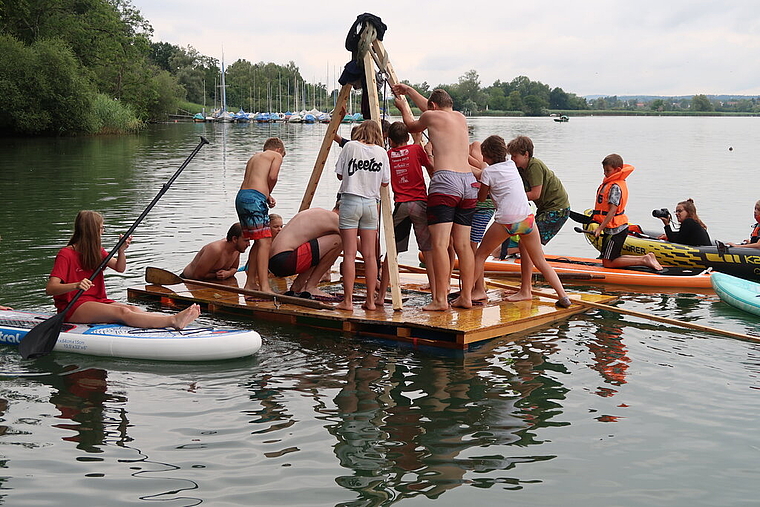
(421,428)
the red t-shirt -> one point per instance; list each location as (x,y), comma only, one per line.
(68,268)
(406,172)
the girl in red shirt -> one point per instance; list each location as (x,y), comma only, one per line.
(72,269)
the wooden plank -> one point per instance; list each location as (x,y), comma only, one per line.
(324,151)
(385,196)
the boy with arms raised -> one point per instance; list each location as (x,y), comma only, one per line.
(410,196)
(252,204)
(452,194)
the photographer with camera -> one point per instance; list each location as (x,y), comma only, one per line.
(691,231)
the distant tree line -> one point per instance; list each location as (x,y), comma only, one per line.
(89,66)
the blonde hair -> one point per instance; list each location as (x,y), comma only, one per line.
(369,132)
(86,238)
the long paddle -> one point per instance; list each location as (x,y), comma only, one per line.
(160,276)
(624,311)
(41,339)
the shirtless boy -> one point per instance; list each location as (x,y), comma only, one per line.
(308,245)
(218,260)
(252,204)
(452,194)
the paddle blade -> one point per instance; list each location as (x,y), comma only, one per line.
(41,339)
(580,217)
(160,276)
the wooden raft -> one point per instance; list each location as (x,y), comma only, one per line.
(456,328)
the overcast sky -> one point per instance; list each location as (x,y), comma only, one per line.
(590,47)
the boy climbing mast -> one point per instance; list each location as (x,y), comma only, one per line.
(452,194)
(252,204)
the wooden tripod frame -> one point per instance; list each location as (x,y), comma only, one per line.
(375,54)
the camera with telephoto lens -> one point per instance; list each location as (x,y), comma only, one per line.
(661,213)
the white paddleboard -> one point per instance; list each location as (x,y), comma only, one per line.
(193,343)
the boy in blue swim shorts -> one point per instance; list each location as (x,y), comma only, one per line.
(252,204)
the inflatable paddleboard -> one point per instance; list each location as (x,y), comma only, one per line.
(116,340)
(737,292)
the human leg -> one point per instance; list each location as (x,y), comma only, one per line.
(330,247)
(348,267)
(262,263)
(493,237)
(369,240)
(532,244)
(95,312)
(461,239)
(439,258)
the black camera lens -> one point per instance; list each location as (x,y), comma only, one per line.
(661,213)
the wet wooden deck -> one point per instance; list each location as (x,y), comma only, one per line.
(456,328)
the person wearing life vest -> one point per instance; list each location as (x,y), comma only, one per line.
(609,213)
(754,237)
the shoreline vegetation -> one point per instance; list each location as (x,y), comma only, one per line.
(68,72)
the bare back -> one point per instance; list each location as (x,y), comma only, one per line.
(261,171)
(309,224)
(448,133)
(215,256)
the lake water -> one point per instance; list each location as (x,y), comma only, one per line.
(599,410)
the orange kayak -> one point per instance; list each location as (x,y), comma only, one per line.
(591,271)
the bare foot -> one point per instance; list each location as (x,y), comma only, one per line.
(345,305)
(436,307)
(315,291)
(519,296)
(186,316)
(479,295)
(651,261)
(460,302)
(369,306)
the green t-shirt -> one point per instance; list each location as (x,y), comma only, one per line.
(553,195)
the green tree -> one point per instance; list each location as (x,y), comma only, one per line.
(534,105)
(44,88)
(701,103)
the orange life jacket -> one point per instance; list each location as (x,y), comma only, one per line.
(602,198)
(755,236)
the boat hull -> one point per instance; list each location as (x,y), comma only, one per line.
(572,270)
(116,340)
(737,292)
(733,261)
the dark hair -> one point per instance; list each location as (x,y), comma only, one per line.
(441,97)
(86,238)
(398,133)
(520,145)
(494,148)
(691,211)
(612,160)
(385,124)
(235,231)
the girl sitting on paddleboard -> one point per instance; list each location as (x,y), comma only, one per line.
(76,262)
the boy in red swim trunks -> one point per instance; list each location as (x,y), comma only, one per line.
(252,203)
(308,245)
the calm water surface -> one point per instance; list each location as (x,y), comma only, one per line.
(599,410)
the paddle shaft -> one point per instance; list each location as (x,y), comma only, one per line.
(160,276)
(132,228)
(39,344)
(624,311)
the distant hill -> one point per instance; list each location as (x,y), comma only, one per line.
(649,98)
